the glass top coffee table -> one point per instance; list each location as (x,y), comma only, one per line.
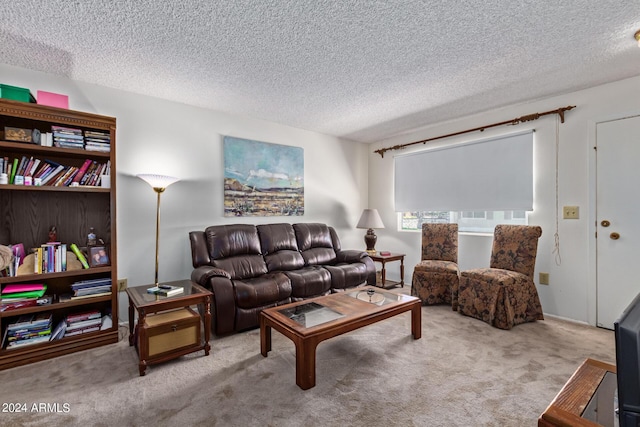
(309,322)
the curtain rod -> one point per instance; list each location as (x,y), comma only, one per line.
(518,120)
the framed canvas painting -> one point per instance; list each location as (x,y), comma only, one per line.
(262,179)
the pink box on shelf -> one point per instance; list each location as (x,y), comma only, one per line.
(53,99)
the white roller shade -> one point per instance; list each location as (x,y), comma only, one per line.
(489,175)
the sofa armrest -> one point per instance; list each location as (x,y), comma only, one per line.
(224,304)
(202,274)
(350,256)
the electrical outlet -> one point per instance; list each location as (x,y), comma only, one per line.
(570,212)
(122,285)
(543,278)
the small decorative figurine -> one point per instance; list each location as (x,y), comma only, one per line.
(91,237)
(53,234)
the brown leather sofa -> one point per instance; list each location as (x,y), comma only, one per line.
(252,267)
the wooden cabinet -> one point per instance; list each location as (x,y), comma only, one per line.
(28,212)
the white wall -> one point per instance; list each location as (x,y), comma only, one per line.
(157,136)
(571,293)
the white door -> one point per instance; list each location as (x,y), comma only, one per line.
(617,217)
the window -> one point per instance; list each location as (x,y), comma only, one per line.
(479,176)
(474,214)
(477,184)
(468,221)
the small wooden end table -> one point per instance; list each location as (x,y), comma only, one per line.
(145,303)
(383,259)
(586,400)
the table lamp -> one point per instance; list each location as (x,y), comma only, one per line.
(370,219)
(159,183)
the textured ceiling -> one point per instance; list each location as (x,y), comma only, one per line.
(363,70)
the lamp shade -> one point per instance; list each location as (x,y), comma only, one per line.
(157,181)
(370,219)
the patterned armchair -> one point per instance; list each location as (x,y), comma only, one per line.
(436,276)
(504,295)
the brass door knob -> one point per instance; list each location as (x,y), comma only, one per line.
(614,236)
(605,223)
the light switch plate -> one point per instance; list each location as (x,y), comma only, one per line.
(570,212)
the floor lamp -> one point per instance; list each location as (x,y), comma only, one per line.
(159,183)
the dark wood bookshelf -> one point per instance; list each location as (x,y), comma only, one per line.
(29,211)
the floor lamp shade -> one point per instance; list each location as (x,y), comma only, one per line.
(370,219)
(159,183)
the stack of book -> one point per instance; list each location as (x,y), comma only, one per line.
(28,329)
(82,323)
(65,137)
(23,295)
(97,141)
(91,288)
(50,258)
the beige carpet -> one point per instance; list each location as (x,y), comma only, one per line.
(461,373)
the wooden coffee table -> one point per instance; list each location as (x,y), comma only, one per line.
(309,322)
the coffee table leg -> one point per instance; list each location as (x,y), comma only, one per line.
(265,337)
(416,321)
(305,364)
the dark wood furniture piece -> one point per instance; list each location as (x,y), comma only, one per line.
(384,259)
(147,304)
(28,212)
(307,323)
(586,400)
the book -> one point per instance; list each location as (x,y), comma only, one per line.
(34,167)
(59,330)
(23,287)
(13,171)
(19,303)
(88,329)
(29,341)
(167,292)
(29,294)
(71,297)
(78,253)
(82,171)
(53,174)
(91,283)
(92,291)
(83,323)
(85,315)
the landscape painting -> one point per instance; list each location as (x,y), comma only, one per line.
(262,179)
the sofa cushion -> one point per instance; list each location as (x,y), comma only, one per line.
(236,249)
(261,291)
(242,267)
(347,275)
(225,241)
(309,282)
(279,247)
(315,243)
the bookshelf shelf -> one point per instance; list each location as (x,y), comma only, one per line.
(22,147)
(79,189)
(28,212)
(55,306)
(48,276)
